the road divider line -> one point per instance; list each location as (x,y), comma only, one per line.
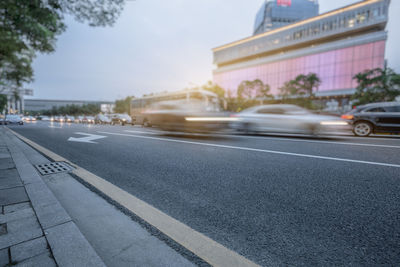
(313,141)
(204,247)
(144,132)
(256,150)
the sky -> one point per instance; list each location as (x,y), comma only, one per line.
(155,46)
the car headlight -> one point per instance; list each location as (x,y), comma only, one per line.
(334,123)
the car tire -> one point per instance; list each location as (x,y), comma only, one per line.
(362,129)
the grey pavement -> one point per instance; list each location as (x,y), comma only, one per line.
(32,221)
(79,227)
(274,209)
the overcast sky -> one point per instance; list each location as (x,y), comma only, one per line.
(156,45)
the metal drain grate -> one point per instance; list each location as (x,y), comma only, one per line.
(53,167)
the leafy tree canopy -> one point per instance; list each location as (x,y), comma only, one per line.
(253,89)
(30,26)
(376,85)
(215,88)
(74,110)
(123,105)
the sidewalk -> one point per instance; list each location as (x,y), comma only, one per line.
(35,230)
(54,220)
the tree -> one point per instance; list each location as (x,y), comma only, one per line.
(30,26)
(216,89)
(3,102)
(253,89)
(300,90)
(376,85)
(307,84)
(123,105)
(288,89)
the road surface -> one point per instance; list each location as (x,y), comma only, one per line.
(275,200)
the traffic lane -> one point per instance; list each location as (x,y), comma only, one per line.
(266,207)
(375,153)
(340,151)
(386,140)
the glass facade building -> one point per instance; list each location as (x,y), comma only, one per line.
(335,45)
(277,13)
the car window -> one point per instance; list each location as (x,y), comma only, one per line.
(271,111)
(377,109)
(393,109)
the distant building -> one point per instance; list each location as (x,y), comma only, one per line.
(15,99)
(277,13)
(48,104)
(335,45)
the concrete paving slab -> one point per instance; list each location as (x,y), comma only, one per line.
(10,182)
(17,207)
(51,215)
(43,260)
(29,249)
(70,247)
(26,171)
(4,155)
(48,210)
(21,214)
(20,230)
(4,259)
(9,173)
(13,196)
(6,163)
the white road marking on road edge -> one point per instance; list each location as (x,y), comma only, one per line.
(257,150)
(275,138)
(130,131)
(204,247)
(311,141)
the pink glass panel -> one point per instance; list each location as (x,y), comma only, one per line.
(335,68)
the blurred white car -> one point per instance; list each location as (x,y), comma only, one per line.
(69,119)
(29,118)
(14,119)
(283,118)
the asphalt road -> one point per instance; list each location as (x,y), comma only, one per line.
(275,200)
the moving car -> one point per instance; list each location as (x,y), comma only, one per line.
(59,119)
(381,117)
(121,119)
(87,119)
(29,118)
(101,119)
(14,119)
(187,116)
(78,119)
(283,118)
(69,119)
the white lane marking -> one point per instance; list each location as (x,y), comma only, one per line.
(87,139)
(257,150)
(144,132)
(276,138)
(312,141)
(204,247)
(52,126)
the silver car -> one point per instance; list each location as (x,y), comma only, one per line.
(291,119)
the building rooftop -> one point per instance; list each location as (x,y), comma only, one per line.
(365,16)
